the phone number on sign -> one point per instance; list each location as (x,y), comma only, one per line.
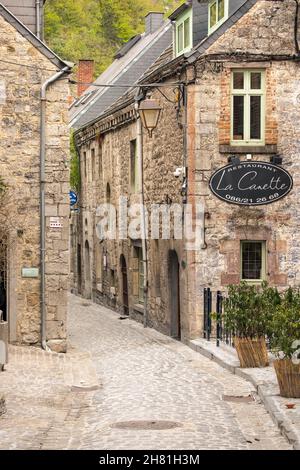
(259,200)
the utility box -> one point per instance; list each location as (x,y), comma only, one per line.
(3,343)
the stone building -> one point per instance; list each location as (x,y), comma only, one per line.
(34,164)
(236,63)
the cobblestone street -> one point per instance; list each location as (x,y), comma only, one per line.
(115,372)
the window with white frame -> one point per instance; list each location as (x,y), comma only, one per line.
(184,33)
(253,261)
(248,107)
(217,14)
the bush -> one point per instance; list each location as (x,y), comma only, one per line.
(248,309)
(285,325)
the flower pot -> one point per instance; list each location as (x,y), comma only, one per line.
(252,352)
(288,376)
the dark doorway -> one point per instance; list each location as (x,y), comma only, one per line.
(3,279)
(174,289)
(87,262)
(79,269)
(124,285)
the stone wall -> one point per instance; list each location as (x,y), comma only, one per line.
(19,163)
(227,225)
(216,261)
(163,153)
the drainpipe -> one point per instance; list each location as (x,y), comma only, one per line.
(38,17)
(139,141)
(44,88)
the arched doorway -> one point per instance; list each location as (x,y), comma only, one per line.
(125,296)
(79,269)
(88,287)
(174,289)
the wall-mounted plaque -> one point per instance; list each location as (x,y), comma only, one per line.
(251,183)
(55,222)
(30,273)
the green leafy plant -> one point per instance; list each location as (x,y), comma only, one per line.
(285,325)
(75,165)
(248,309)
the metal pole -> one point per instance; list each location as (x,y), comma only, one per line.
(143,214)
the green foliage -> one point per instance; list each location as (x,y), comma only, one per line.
(96,29)
(285,325)
(248,309)
(75,166)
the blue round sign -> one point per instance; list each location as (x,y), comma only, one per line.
(73,198)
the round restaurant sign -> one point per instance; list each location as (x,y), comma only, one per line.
(251,183)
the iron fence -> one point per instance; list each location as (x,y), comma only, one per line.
(213,319)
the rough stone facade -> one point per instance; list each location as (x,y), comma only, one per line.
(263,39)
(20,111)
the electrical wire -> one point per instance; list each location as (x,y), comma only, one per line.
(25,65)
(148,85)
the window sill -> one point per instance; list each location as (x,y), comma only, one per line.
(244,149)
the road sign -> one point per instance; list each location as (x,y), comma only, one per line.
(73,198)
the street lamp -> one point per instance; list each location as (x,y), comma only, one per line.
(150,112)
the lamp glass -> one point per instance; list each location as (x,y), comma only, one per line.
(150,112)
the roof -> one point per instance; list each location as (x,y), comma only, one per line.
(37,43)
(212,38)
(126,70)
(165,64)
(180,9)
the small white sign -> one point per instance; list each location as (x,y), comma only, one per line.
(30,273)
(55,222)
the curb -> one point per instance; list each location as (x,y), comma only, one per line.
(270,404)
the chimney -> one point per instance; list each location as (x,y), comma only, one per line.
(85,75)
(153,21)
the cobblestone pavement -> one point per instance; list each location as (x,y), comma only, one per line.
(116,371)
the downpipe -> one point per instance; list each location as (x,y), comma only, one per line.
(143,216)
(38,18)
(44,89)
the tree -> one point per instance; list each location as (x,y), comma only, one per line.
(85,29)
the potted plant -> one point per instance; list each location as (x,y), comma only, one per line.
(247,315)
(285,343)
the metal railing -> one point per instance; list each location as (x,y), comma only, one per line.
(214,324)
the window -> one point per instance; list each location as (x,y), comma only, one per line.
(93,163)
(134,167)
(139,254)
(253,261)
(248,107)
(85,164)
(217,14)
(184,33)
(100,158)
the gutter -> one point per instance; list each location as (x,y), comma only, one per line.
(44,89)
(38,18)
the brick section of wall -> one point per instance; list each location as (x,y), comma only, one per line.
(271,124)
(85,75)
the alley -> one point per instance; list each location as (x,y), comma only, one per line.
(115,382)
